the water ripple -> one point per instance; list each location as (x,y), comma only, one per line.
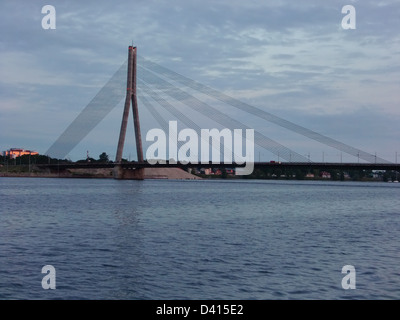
(112,239)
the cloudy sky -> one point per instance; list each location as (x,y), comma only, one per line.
(290,58)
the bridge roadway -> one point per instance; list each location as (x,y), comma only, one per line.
(276,165)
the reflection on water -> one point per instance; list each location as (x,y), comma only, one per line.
(113,239)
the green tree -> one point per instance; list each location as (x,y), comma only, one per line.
(224,174)
(104,157)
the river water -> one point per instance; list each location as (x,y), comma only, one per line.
(166,239)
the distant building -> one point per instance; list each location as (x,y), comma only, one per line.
(325,175)
(17,152)
(206,171)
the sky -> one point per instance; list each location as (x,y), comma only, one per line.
(290,58)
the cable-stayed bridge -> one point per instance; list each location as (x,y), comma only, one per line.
(169,97)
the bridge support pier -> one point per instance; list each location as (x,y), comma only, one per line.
(120,173)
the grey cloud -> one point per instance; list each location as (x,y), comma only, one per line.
(283,54)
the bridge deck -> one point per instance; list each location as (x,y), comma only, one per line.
(281,165)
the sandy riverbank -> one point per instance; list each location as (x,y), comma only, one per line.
(150,173)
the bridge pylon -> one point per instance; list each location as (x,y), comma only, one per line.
(131,97)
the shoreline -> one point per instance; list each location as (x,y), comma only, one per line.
(165,177)
(150,173)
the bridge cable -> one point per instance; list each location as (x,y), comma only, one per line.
(178,114)
(215,115)
(109,96)
(260,113)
